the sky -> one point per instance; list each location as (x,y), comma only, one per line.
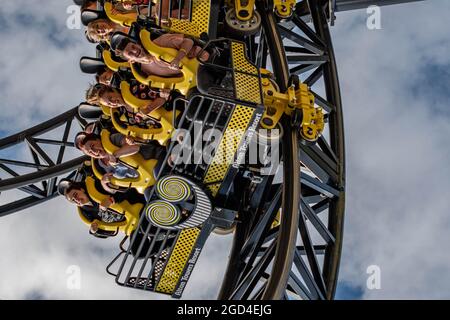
(394,84)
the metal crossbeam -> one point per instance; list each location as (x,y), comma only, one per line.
(43,168)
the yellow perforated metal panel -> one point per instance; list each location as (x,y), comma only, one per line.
(240,62)
(214,188)
(177,261)
(247,88)
(246,78)
(200,20)
(228,146)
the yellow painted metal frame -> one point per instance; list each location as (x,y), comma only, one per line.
(201,16)
(284,8)
(179,257)
(277,103)
(106,110)
(247,6)
(162,135)
(111,63)
(231,139)
(246,75)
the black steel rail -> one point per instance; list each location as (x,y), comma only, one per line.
(44,168)
(309,268)
(337,142)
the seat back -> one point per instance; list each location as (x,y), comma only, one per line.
(88,16)
(123,19)
(89,112)
(203,19)
(91,65)
(165,118)
(112,62)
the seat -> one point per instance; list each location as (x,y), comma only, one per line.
(211,81)
(91,65)
(130,211)
(112,62)
(88,16)
(189,67)
(136,161)
(124,19)
(162,134)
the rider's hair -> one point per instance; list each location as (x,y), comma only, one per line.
(82,138)
(74,185)
(120,47)
(94,92)
(91,32)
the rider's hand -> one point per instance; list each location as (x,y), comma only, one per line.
(129,140)
(94,227)
(112,159)
(106,203)
(174,65)
(107,177)
(115,11)
(127,5)
(164,93)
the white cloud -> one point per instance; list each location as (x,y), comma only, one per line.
(397,149)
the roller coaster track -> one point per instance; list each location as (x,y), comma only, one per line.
(298,257)
(271,263)
(42,168)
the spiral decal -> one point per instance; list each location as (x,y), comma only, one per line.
(173,189)
(162,213)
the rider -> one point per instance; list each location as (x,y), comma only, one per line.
(91,145)
(133,52)
(112,97)
(76,192)
(101,30)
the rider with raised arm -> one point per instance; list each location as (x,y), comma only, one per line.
(112,98)
(133,52)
